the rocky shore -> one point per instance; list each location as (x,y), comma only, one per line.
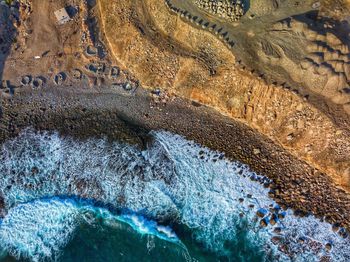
(85,112)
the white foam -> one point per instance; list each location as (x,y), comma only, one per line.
(169,180)
(39,230)
(148,227)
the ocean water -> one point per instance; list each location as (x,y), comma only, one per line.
(97,200)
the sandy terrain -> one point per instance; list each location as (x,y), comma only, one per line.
(166,51)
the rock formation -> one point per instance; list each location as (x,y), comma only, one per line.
(230,10)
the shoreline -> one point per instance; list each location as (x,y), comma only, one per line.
(129,117)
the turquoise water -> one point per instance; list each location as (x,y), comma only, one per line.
(95,200)
(71,229)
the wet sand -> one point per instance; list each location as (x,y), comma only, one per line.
(118,115)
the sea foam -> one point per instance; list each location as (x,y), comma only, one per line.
(172,180)
(40,229)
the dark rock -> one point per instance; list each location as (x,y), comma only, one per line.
(266,184)
(335,227)
(35,170)
(261,212)
(277,230)
(325,259)
(264,222)
(301,240)
(343,233)
(284,249)
(276,240)
(299,213)
(328,246)
(273,219)
(271,193)
(282,215)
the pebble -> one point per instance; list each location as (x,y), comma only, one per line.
(316,5)
(282,215)
(335,227)
(301,240)
(328,246)
(342,232)
(275,240)
(273,220)
(277,230)
(256,151)
(264,222)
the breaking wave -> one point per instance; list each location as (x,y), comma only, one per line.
(42,228)
(174,182)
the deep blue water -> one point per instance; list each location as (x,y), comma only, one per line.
(95,200)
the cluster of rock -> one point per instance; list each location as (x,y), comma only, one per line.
(231,10)
(96,75)
(204,24)
(160,98)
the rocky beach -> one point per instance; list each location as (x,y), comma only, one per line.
(130,118)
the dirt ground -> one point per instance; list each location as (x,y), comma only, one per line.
(45,48)
(162,50)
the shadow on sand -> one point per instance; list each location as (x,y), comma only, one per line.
(7,38)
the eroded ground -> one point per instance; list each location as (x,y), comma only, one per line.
(163,50)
